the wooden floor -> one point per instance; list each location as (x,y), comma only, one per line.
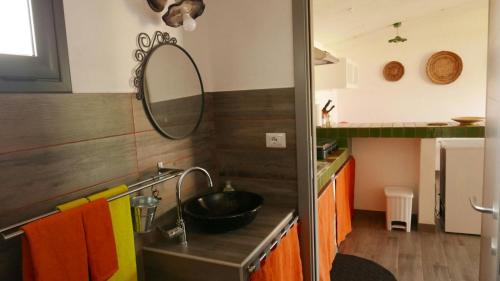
(415,256)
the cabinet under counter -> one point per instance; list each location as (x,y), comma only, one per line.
(328,168)
(222,256)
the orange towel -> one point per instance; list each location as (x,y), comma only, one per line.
(283,263)
(342,200)
(124,235)
(103,261)
(326,229)
(54,248)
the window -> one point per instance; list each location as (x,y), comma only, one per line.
(33,48)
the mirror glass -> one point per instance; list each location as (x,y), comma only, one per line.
(173,91)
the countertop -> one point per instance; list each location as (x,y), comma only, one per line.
(327,168)
(401,130)
(234,248)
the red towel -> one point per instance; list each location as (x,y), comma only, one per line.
(101,247)
(54,249)
(283,263)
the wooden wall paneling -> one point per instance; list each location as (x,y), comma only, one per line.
(250,134)
(10,251)
(48,205)
(263,163)
(75,145)
(142,123)
(30,121)
(241,120)
(153,148)
(178,115)
(34,181)
(196,150)
(275,192)
(255,104)
(55,148)
(31,177)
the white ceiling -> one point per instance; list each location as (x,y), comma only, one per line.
(339,20)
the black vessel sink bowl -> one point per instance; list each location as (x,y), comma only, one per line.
(222,211)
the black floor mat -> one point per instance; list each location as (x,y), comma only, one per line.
(352,268)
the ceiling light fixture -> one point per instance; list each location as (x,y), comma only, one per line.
(182,12)
(397,39)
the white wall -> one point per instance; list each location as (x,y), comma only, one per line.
(427,182)
(321,94)
(238,44)
(321,98)
(241,44)
(101,40)
(414,98)
(384,162)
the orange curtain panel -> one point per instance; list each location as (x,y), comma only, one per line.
(343,209)
(351,173)
(283,263)
(326,227)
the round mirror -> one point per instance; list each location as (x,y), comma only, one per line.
(173,95)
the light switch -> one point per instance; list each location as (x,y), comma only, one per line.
(276,140)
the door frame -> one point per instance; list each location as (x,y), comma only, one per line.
(305,136)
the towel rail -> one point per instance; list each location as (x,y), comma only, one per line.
(254,266)
(164,175)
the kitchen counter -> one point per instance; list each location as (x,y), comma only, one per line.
(225,255)
(327,168)
(400,130)
(426,134)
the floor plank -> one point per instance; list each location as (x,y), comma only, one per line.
(410,257)
(415,256)
(435,264)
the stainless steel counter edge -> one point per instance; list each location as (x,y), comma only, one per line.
(249,259)
(182,255)
(267,241)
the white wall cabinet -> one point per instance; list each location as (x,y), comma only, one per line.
(341,75)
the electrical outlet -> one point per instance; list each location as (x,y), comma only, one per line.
(276,140)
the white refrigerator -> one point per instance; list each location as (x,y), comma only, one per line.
(461,178)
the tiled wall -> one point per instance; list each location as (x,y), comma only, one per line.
(241,120)
(58,147)
(54,148)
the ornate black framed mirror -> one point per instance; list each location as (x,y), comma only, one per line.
(169,84)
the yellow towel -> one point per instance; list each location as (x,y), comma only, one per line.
(124,235)
(72,204)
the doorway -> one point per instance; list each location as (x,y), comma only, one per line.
(378,95)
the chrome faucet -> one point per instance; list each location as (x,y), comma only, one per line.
(180,229)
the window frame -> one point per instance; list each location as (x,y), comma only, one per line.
(49,71)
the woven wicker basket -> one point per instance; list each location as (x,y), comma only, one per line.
(444,67)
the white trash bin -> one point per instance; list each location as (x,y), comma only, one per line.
(399,201)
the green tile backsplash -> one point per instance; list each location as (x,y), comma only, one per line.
(399,130)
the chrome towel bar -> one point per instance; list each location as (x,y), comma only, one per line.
(164,175)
